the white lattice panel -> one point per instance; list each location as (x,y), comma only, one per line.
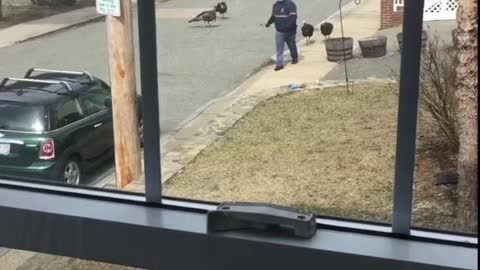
(452,5)
(440,10)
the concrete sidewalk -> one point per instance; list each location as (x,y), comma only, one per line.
(212,121)
(388,66)
(359,22)
(37,28)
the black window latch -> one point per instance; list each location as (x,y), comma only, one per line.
(267,217)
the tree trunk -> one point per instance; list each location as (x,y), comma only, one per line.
(467,97)
(1,11)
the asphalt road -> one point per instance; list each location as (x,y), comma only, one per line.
(196,63)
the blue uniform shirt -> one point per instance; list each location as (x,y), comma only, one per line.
(284,15)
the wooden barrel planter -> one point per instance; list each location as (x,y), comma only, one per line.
(372,47)
(336,51)
(424,40)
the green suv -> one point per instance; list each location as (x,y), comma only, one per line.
(55,125)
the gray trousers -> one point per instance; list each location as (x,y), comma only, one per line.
(280,39)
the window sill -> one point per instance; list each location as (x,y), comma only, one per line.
(124,232)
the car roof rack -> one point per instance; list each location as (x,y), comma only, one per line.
(80,73)
(65,84)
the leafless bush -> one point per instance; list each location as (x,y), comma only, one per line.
(438,75)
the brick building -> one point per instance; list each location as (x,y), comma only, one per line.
(391,13)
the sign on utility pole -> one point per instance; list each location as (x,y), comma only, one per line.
(124,94)
(109,7)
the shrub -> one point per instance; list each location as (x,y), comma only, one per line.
(437,90)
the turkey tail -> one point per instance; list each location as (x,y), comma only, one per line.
(196,19)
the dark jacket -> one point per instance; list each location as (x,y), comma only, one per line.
(284,15)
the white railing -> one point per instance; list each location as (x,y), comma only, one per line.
(434,9)
(397,4)
(437,10)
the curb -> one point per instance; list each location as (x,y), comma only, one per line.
(95,17)
(67,27)
(225,96)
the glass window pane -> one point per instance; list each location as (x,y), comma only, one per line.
(96,100)
(293,133)
(13,116)
(67,112)
(446,177)
(58,121)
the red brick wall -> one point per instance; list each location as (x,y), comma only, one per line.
(390,18)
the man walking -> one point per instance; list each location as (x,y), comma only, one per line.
(284,15)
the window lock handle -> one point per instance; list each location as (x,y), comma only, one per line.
(266,217)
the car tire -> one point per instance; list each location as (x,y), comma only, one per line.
(72,171)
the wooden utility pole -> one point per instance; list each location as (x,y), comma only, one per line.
(124,95)
(467,114)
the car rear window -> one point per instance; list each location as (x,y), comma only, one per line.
(22,117)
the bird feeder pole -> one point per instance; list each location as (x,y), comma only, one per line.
(124,94)
(347,81)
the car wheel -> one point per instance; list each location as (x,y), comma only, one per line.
(72,172)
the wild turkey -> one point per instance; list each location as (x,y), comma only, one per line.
(307,31)
(221,8)
(326,28)
(206,16)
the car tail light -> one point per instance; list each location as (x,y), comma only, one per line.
(47,149)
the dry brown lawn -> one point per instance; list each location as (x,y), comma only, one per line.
(323,151)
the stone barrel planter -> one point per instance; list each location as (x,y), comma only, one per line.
(424,40)
(336,51)
(372,47)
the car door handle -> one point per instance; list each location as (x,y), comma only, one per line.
(98,125)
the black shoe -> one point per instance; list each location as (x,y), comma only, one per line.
(294,61)
(277,68)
